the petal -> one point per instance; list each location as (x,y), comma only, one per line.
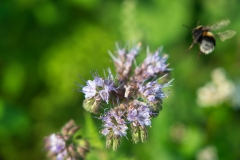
(88,91)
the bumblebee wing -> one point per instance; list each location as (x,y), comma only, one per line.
(226,34)
(218,25)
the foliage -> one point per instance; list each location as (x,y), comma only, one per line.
(46,44)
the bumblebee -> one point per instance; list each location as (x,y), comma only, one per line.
(205,38)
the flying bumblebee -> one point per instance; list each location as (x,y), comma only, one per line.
(205,38)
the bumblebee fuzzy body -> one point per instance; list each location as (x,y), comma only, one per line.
(205,38)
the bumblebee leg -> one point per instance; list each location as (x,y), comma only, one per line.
(191,46)
(198,23)
(199,54)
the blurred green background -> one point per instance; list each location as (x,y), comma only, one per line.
(45,44)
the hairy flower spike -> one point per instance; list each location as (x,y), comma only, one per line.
(97,91)
(100,87)
(124,59)
(62,146)
(152,91)
(114,122)
(56,145)
(152,65)
(114,127)
(139,115)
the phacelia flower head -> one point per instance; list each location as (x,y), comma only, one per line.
(139,116)
(153,65)
(56,145)
(114,127)
(152,91)
(62,146)
(99,87)
(132,98)
(124,59)
(113,122)
(97,91)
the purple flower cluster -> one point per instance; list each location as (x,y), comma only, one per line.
(152,91)
(153,65)
(156,64)
(124,59)
(139,116)
(114,124)
(63,146)
(132,98)
(98,91)
(56,145)
(99,87)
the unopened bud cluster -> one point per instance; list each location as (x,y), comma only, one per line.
(131,98)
